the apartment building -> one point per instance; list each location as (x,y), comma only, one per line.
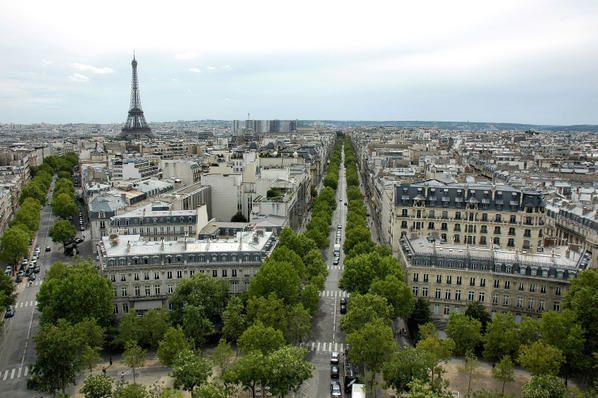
(474,214)
(145,273)
(451,277)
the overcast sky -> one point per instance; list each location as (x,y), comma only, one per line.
(494,60)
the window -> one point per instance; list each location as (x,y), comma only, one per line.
(457,238)
(156,275)
(438,278)
(471,217)
(113,278)
(404,213)
(214,273)
(470,296)
(415,277)
(169,275)
(457,227)
(457,215)
(191,273)
(484,229)
(431,214)
(446,310)
(123,291)
(404,224)
(447,294)
(437,293)
(530,304)
(443,226)
(527,233)
(147,290)
(541,306)
(125,307)
(444,214)
(136,276)
(498,218)
(458,295)
(157,290)
(137,291)
(415,290)
(557,291)
(511,242)
(430,225)
(425,278)
(495,299)
(484,216)
(170,289)
(521,286)
(482,297)
(507,284)
(146,276)
(496,241)
(505,300)
(556,306)
(449,279)
(511,231)
(459,280)
(424,291)
(114,291)
(496,283)
(496,230)
(123,278)
(224,273)
(513,219)
(471,281)
(543,289)
(234,273)
(115,308)
(519,302)
(532,287)
(179,274)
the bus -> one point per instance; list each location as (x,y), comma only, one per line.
(358,391)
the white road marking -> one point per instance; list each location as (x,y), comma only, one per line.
(5,375)
(26,371)
(12,374)
(19,372)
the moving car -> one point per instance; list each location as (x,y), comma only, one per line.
(336,260)
(334,372)
(334,357)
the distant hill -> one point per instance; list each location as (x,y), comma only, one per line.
(468,126)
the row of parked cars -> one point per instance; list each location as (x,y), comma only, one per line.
(335,385)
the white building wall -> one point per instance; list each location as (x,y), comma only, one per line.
(226,194)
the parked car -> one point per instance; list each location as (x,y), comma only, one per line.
(336,261)
(343,309)
(335,389)
(78,240)
(334,372)
(334,357)
(8,270)
(36,269)
(32,276)
(48,249)
(19,278)
(10,312)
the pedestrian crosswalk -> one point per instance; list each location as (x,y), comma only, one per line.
(323,346)
(334,293)
(14,373)
(334,267)
(36,283)
(23,304)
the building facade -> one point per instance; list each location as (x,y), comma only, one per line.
(144,274)
(473,214)
(452,277)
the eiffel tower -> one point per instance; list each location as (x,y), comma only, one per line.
(135,127)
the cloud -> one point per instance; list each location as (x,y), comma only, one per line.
(92,69)
(195,70)
(78,77)
(187,55)
(211,67)
(46,62)
(225,67)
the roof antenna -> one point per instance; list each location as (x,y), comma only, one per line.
(133,54)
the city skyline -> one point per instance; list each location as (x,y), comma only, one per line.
(507,62)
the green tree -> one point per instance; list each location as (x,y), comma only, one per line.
(420,389)
(97,386)
(464,331)
(439,350)
(503,371)
(35,191)
(76,293)
(560,329)
(173,342)
(258,337)
(60,350)
(360,271)
(298,243)
(223,355)
(234,319)
(421,315)
(7,291)
(397,293)
(544,386)
(540,358)
(63,232)
(28,214)
(249,371)
(277,277)
(371,346)
(502,338)
(154,324)
(469,369)
(477,310)
(270,310)
(287,369)
(365,308)
(529,330)
(298,324)
(129,329)
(14,245)
(582,299)
(406,365)
(190,370)
(64,206)
(130,391)
(209,390)
(134,357)
(310,297)
(208,297)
